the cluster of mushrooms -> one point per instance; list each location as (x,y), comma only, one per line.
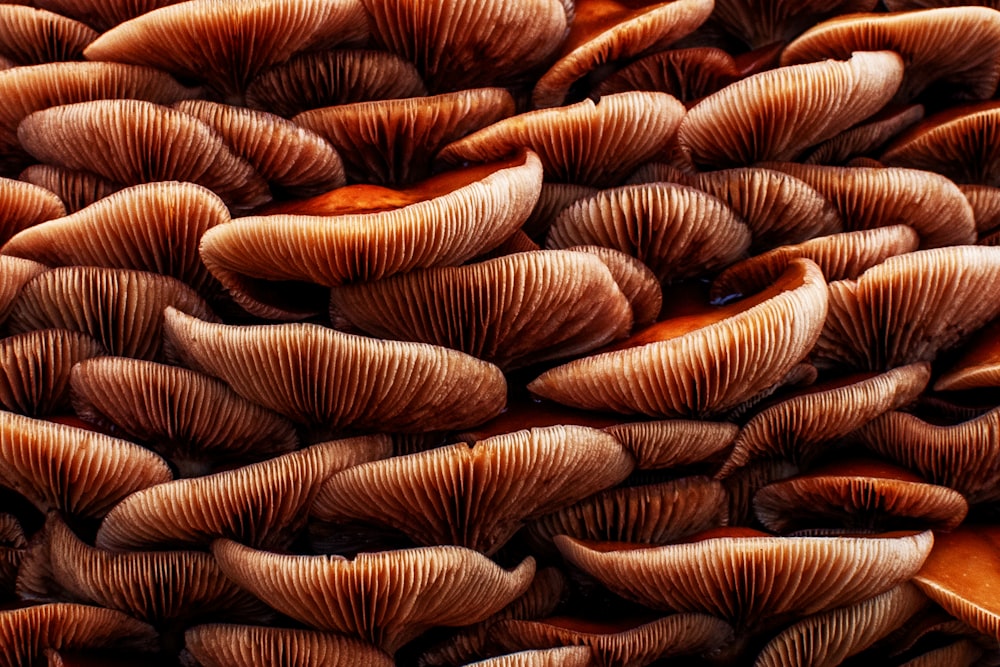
(499,332)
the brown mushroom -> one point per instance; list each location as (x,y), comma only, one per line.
(30,36)
(24,205)
(218,645)
(76,188)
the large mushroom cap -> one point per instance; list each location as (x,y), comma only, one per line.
(219,645)
(387,598)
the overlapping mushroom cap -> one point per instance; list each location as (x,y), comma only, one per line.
(219,645)
(32,36)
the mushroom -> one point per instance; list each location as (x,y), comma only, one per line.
(218,645)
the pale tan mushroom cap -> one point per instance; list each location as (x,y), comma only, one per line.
(387,598)
(219,645)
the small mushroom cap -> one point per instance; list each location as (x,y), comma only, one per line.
(985,202)
(219,645)
(25,633)
(760,22)
(70,469)
(796,428)
(790,109)
(636,281)
(24,205)
(748,581)
(583,143)
(605,31)
(477,496)
(675,367)
(867,137)
(132,141)
(566,656)
(318,376)
(226,42)
(826,640)
(961,575)
(387,598)
(674,443)
(513,311)
(15,273)
(978,365)
(122,310)
(77,189)
(962,653)
(394,141)
(262,504)
(687,74)
(30,36)
(333,78)
(955,47)
(12,544)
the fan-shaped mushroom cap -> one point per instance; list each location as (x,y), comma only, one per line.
(227,42)
(30,36)
(387,598)
(744,576)
(25,633)
(673,443)
(964,457)
(71,469)
(777,114)
(122,310)
(635,280)
(394,141)
(77,189)
(649,514)
(583,143)
(870,198)
(153,227)
(218,645)
(365,232)
(910,307)
(605,31)
(131,142)
(332,78)
(12,544)
(290,158)
(151,586)
(193,420)
(262,504)
(567,656)
(513,311)
(318,376)
(35,369)
(677,231)
(858,494)
(957,47)
(839,256)
(687,74)
(959,143)
(623,642)
(826,640)
(701,363)
(961,575)
(23,205)
(473,44)
(477,496)
(866,137)
(798,426)
(760,22)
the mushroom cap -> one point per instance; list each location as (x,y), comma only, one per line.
(152,227)
(553,199)
(977,366)
(985,202)
(394,141)
(826,640)
(957,47)
(743,576)
(687,74)
(477,496)
(796,427)
(194,420)
(122,310)
(583,143)
(677,231)
(700,364)
(15,273)
(103,14)
(30,36)
(70,469)
(760,22)
(35,369)
(566,656)
(218,645)
(387,598)
(291,159)
(910,307)
(318,376)
(262,504)
(227,42)
(23,205)
(477,43)
(151,586)
(868,136)
(12,544)
(674,443)
(605,31)
(618,643)
(513,311)
(76,188)
(333,78)
(132,141)
(358,233)
(962,653)
(776,115)
(25,633)
(635,280)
